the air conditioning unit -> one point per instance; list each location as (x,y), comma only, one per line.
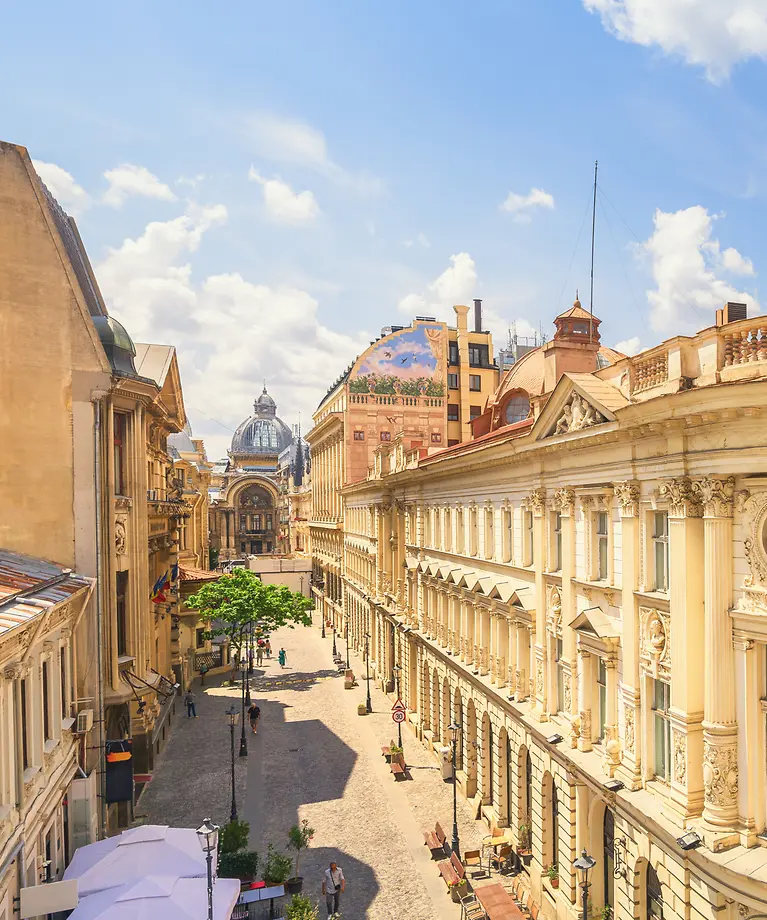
(84,721)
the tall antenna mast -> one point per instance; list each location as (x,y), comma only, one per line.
(593,231)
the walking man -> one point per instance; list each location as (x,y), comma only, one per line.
(254,714)
(333,886)
(268,647)
(259,656)
(191,712)
(282,657)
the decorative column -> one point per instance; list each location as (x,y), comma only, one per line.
(511,656)
(585,685)
(686,564)
(523,656)
(612,746)
(564,502)
(502,649)
(484,640)
(720,730)
(751,791)
(536,503)
(477,638)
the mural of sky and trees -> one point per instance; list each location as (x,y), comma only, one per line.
(406,363)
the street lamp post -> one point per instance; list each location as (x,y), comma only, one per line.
(207,834)
(243,677)
(335,650)
(397,671)
(231,715)
(250,648)
(368,704)
(455,845)
(583,865)
(347,644)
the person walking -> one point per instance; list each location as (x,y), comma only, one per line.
(268,647)
(203,671)
(259,656)
(191,712)
(333,886)
(254,714)
(282,657)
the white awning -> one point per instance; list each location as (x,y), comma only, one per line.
(160,898)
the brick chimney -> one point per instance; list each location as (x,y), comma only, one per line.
(477,315)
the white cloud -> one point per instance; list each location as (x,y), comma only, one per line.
(457,282)
(127,180)
(230,332)
(61,184)
(521,205)
(630,346)
(283,140)
(714,34)
(687,265)
(283,204)
(421,240)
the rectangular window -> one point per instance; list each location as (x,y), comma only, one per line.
(479,356)
(63,677)
(475,383)
(529,538)
(475,411)
(473,532)
(460,537)
(122,612)
(489,533)
(557,547)
(451,442)
(200,637)
(662,729)
(436,437)
(359,435)
(602,688)
(24,724)
(602,545)
(452,412)
(453,357)
(448,530)
(660,550)
(452,381)
(386,435)
(508,534)
(46,703)
(560,677)
(120,451)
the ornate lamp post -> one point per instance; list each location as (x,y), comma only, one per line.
(243,678)
(368,704)
(207,834)
(347,642)
(232,715)
(583,865)
(397,671)
(335,650)
(455,845)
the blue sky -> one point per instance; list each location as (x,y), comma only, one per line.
(266,185)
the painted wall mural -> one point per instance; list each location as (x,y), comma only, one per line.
(410,362)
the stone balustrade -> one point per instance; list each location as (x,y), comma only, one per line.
(650,372)
(745,344)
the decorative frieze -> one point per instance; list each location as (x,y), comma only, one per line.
(585,720)
(554,615)
(577,414)
(629,720)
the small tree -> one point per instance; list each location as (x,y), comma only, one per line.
(301,908)
(299,837)
(234,836)
(240,600)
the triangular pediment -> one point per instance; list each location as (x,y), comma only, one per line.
(577,403)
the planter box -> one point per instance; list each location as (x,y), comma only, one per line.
(362,710)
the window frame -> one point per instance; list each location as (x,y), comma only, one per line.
(660,545)
(602,540)
(475,383)
(384,435)
(661,734)
(490,532)
(119,446)
(507,522)
(453,381)
(556,541)
(601,681)
(358,435)
(528,538)
(453,412)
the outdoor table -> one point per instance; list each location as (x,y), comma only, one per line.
(498,903)
(493,843)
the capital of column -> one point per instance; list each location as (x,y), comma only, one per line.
(536,501)
(627,492)
(564,501)
(683,500)
(717,496)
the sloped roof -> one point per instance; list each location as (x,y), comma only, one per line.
(601,392)
(153,361)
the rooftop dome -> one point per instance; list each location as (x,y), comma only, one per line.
(118,345)
(263,432)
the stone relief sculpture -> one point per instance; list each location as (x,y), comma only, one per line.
(629,712)
(680,758)
(120,537)
(655,647)
(720,775)
(577,414)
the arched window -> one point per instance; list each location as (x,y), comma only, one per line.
(509,778)
(654,895)
(517,409)
(490,762)
(608,862)
(554,825)
(528,785)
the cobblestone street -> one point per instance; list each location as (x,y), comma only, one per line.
(315,758)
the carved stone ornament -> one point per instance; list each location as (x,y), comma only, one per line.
(577,414)
(755,544)
(680,758)
(567,691)
(585,717)
(716,495)
(683,500)
(120,537)
(629,713)
(539,678)
(536,501)
(555,610)
(720,774)
(564,501)
(627,493)
(655,638)
(13,672)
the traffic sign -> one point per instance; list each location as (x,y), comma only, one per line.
(399,705)
(398,715)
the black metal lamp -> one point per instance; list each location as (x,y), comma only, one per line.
(207,834)
(454,728)
(232,715)
(368,703)
(583,865)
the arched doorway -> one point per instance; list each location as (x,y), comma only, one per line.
(458,719)
(524,797)
(653,895)
(548,830)
(608,859)
(471,749)
(256,522)
(504,799)
(487,760)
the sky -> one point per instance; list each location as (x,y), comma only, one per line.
(265,186)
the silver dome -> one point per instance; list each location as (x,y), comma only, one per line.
(263,432)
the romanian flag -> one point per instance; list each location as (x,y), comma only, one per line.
(160,587)
(174,573)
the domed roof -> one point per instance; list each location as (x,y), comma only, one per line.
(263,432)
(118,345)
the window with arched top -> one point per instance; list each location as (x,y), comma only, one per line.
(554,825)
(653,895)
(608,860)
(516,409)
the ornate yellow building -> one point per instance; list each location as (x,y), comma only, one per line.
(584,591)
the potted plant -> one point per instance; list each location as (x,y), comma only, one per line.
(299,837)
(277,867)
(394,748)
(553,875)
(524,837)
(301,908)
(457,889)
(235,860)
(234,837)
(606,912)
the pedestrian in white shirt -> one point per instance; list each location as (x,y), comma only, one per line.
(333,886)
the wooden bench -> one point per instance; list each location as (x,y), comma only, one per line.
(452,870)
(435,840)
(398,766)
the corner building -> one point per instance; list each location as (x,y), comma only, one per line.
(582,587)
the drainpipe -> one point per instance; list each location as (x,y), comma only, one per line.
(99,617)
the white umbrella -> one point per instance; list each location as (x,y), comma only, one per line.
(136,854)
(160,898)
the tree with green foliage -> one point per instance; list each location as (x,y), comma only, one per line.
(239,601)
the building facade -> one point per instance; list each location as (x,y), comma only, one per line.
(584,591)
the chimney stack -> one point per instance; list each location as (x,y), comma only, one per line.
(731,313)
(477,315)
